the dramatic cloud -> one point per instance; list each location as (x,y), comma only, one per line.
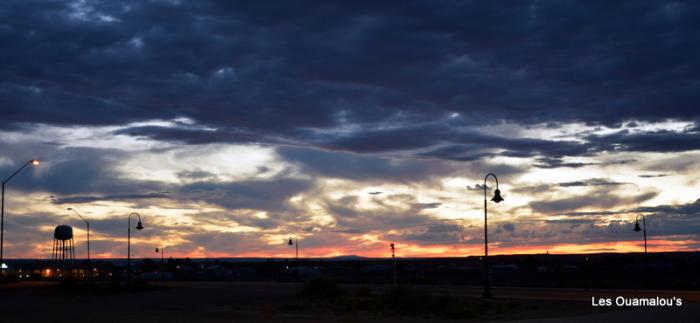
(230,125)
(603,199)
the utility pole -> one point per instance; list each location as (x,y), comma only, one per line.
(393,259)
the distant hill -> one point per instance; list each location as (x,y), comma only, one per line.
(348,257)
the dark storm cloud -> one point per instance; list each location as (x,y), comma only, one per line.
(75,171)
(84,175)
(195,136)
(263,73)
(270,194)
(350,216)
(591,182)
(195,175)
(656,141)
(569,231)
(594,213)
(363,167)
(550,162)
(436,233)
(117,197)
(690,209)
(669,222)
(600,199)
(461,144)
(653,175)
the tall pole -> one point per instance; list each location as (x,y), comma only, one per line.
(644,221)
(88,231)
(497,198)
(2,223)
(2,208)
(636,228)
(128,246)
(487,282)
(296,245)
(128,253)
(162,261)
(393,260)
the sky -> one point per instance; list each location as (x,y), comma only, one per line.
(228,126)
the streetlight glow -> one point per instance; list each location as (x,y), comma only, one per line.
(2,204)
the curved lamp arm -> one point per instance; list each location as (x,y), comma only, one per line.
(644,223)
(139,226)
(32,161)
(78,214)
(644,219)
(497,193)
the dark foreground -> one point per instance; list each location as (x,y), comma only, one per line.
(280,302)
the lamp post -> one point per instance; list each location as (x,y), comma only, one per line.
(88,231)
(296,244)
(162,260)
(496,198)
(393,259)
(637,229)
(139,226)
(2,206)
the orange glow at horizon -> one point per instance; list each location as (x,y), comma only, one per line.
(405,250)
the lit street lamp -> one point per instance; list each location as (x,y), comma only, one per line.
(88,231)
(2,206)
(496,198)
(637,229)
(139,226)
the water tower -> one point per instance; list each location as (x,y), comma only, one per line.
(63,243)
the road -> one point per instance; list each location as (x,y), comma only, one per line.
(560,294)
(260,301)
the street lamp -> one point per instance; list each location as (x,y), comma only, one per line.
(496,198)
(88,231)
(139,226)
(162,260)
(296,244)
(34,162)
(644,225)
(393,259)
